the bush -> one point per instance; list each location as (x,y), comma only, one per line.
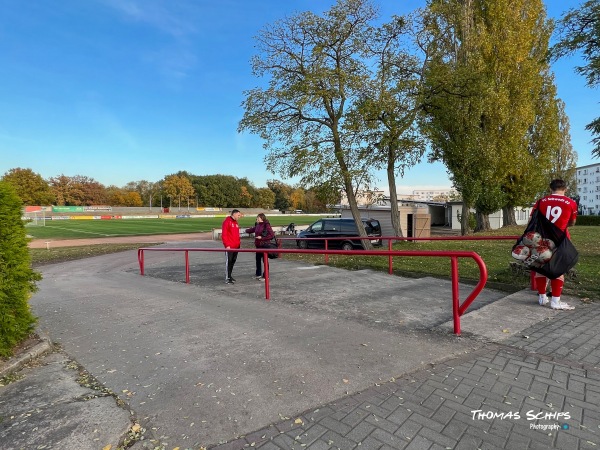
(17,278)
(588,220)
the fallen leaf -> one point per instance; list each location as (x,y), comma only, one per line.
(506,330)
(136,427)
(298,421)
(346,381)
(108,447)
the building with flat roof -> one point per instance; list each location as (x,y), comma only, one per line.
(588,189)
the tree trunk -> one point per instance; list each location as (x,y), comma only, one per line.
(394,199)
(508,216)
(366,243)
(464,220)
(483,222)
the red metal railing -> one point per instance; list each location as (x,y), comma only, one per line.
(458,309)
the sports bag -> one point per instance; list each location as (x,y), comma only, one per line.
(275,244)
(545,248)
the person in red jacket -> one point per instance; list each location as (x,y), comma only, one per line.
(230,234)
(562,212)
(263,234)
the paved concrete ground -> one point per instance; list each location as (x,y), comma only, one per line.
(336,359)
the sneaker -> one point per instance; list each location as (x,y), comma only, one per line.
(229,281)
(261,278)
(258,277)
(562,306)
(232,279)
(543,300)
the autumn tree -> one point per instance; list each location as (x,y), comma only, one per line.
(390,107)
(78,190)
(316,72)
(178,187)
(31,188)
(282,193)
(264,198)
(579,31)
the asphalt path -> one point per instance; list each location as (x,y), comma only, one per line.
(205,362)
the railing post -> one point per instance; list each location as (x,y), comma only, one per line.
(267,287)
(455,300)
(141,260)
(187,267)
(390,258)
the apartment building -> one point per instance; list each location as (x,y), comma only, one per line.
(588,189)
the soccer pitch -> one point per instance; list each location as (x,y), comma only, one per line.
(89,229)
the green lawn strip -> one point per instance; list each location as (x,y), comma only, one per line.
(41,257)
(86,229)
(496,255)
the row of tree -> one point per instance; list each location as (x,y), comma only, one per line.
(469,80)
(180,190)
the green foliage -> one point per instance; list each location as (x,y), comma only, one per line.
(31,188)
(485,80)
(588,221)
(579,30)
(496,255)
(316,69)
(17,279)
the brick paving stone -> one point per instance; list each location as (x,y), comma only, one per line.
(427,422)
(360,432)
(370,444)
(355,417)
(408,430)
(437,438)
(455,429)
(382,423)
(419,443)
(432,408)
(338,441)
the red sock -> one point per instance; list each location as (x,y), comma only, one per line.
(541,283)
(557,287)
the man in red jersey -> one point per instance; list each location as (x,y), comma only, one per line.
(562,212)
(230,234)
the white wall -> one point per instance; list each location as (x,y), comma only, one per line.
(521,216)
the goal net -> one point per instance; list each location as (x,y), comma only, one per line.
(35,219)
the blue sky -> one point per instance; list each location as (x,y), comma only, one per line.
(125,90)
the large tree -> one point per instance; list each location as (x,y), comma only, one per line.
(317,71)
(484,84)
(178,188)
(390,107)
(31,188)
(78,190)
(579,30)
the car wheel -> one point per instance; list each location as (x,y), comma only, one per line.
(302,244)
(347,246)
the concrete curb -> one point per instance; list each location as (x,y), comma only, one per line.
(20,360)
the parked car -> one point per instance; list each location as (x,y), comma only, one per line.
(335,228)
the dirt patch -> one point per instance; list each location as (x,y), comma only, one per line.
(45,243)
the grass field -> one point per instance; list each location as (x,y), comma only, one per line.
(86,229)
(495,253)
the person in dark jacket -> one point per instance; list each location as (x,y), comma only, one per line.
(263,234)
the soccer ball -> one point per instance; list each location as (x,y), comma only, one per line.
(521,252)
(544,254)
(531,239)
(548,243)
